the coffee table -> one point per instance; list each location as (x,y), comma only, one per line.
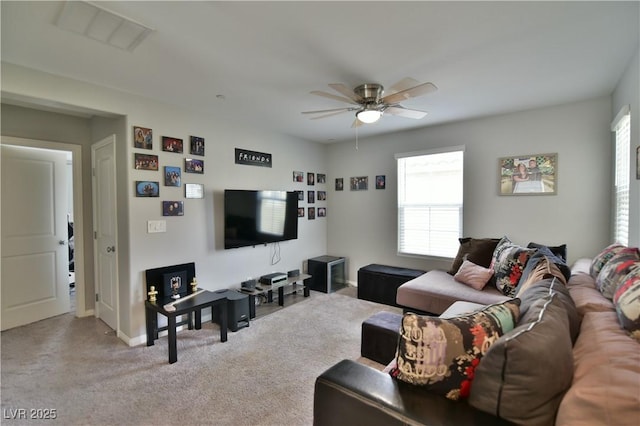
(189,307)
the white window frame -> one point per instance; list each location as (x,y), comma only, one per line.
(443,243)
(621,126)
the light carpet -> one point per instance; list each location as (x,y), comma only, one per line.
(263,374)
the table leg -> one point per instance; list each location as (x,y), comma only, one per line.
(281,296)
(306,290)
(223,320)
(198,313)
(190,320)
(252,306)
(152,330)
(173,347)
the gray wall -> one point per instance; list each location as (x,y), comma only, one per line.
(362,225)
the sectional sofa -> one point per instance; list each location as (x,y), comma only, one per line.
(552,346)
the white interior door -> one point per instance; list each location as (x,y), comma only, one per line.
(103,161)
(35,265)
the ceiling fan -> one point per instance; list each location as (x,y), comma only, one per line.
(369,103)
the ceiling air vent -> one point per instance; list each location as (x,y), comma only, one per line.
(102,25)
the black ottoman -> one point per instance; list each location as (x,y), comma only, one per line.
(379,339)
(378,283)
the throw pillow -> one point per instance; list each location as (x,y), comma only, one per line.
(477,250)
(603,257)
(442,354)
(508,262)
(615,270)
(475,276)
(560,251)
(546,287)
(524,375)
(627,302)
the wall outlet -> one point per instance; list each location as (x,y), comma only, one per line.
(154,226)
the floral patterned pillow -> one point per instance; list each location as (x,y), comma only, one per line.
(627,302)
(509,260)
(442,354)
(603,257)
(616,269)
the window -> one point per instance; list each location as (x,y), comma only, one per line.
(430,202)
(622,128)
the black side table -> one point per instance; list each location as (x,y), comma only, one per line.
(193,305)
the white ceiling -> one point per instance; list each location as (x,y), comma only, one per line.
(265,57)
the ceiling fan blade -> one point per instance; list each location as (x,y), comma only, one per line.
(349,93)
(404,84)
(334,97)
(405,112)
(328,112)
(413,92)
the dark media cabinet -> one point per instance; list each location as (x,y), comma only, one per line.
(327,273)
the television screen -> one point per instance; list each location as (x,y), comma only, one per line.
(259,217)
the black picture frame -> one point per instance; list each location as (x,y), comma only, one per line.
(196,145)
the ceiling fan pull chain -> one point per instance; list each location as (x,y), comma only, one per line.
(356,138)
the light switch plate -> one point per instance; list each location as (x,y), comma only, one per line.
(154,226)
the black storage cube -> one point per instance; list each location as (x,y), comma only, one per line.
(237,309)
(379,339)
(379,283)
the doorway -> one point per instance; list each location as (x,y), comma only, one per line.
(46,300)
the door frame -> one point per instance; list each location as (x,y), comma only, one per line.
(78,213)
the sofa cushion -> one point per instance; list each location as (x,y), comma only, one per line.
(524,374)
(477,250)
(442,354)
(436,290)
(603,257)
(616,269)
(627,302)
(544,288)
(606,381)
(560,251)
(508,262)
(582,287)
(475,276)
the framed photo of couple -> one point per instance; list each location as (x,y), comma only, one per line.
(535,174)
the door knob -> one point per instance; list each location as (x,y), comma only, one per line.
(62,242)
(111,249)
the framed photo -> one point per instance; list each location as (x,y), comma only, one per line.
(312,213)
(322,212)
(172,144)
(172,176)
(145,162)
(321,178)
(172,208)
(300,211)
(360,183)
(298,176)
(197,145)
(142,137)
(146,188)
(193,190)
(193,166)
(339,184)
(381,182)
(300,195)
(322,195)
(311,197)
(535,174)
(311,179)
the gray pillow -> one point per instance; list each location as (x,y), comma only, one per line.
(544,288)
(524,375)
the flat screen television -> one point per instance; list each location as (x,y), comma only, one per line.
(259,217)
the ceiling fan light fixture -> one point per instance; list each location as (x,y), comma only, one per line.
(369,116)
